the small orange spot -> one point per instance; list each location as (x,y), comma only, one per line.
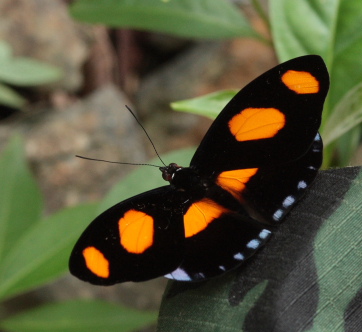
(200,214)
(301,82)
(256,123)
(235,181)
(96,262)
(136,231)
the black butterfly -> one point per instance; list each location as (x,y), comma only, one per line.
(253,165)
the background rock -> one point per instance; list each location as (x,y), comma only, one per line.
(100,127)
(43,30)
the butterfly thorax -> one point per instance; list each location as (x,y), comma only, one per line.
(185,179)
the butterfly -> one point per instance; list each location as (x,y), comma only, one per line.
(252,166)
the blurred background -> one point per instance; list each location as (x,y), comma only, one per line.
(67,70)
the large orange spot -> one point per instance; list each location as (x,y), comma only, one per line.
(96,262)
(256,123)
(200,214)
(136,231)
(235,181)
(301,82)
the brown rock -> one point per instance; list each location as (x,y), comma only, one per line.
(98,127)
(43,30)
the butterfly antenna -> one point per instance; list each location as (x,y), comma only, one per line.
(116,162)
(149,138)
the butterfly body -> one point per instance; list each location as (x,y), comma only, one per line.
(253,165)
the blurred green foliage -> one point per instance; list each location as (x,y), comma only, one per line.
(34,250)
(21,72)
(297,28)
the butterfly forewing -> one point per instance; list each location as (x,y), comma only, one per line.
(273,120)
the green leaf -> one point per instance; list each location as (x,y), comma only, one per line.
(79,316)
(42,253)
(308,272)
(23,71)
(20,198)
(301,27)
(186,18)
(10,98)
(328,28)
(346,115)
(206,306)
(338,257)
(209,105)
(5,50)
(144,178)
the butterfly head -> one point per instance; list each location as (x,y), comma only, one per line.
(169,171)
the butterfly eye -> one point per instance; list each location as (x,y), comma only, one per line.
(166,176)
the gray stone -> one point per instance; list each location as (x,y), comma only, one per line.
(98,127)
(43,30)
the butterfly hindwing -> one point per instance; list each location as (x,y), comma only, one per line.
(136,240)
(221,241)
(283,185)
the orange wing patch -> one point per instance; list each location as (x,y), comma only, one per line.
(235,181)
(96,262)
(301,82)
(200,214)
(136,231)
(256,123)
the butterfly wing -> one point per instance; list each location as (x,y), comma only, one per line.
(264,147)
(136,240)
(273,191)
(227,241)
(261,153)
(263,150)
(272,120)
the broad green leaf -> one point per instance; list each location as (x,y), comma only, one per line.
(186,18)
(42,253)
(144,178)
(23,71)
(20,198)
(5,50)
(209,105)
(287,287)
(251,297)
(10,98)
(346,115)
(347,145)
(331,29)
(206,307)
(338,257)
(79,316)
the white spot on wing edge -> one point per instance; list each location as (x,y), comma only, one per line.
(288,201)
(264,234)
(239,256)
(253,244)
(178,274)
(278,214)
